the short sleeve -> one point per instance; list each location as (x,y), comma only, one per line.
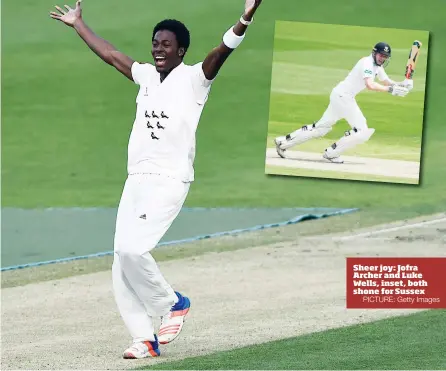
(141,72)
(367,68)
(201,85)
(382,75)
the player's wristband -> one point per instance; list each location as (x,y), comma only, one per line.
(390,89)
(245,22)
(231,40)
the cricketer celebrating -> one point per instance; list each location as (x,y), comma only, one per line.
(343,105)
(161,154)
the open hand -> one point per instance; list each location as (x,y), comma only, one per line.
(68,15)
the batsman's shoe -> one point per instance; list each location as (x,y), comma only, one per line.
(143,349)
(336,160)
(172,323)
(280,151)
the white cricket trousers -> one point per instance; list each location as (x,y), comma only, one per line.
(343,106)
(149,204)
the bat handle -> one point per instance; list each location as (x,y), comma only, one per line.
(409,72)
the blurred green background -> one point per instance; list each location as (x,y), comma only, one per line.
(67,116)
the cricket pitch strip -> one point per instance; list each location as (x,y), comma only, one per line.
(73,323)
(352,164)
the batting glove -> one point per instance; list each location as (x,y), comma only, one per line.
(408,83)
(398,90)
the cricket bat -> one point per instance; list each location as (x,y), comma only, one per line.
(413,58)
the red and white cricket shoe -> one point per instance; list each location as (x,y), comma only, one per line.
(143,349)
(172,323)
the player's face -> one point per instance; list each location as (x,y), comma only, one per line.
(165,51)
(381,58)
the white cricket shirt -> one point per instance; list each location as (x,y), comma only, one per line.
(162,140)
(354,83)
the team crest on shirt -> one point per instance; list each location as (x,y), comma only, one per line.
(156,122)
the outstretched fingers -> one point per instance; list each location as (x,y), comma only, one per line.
(60,10)
(67,14)
(55,15)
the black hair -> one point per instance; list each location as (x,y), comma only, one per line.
(178,28)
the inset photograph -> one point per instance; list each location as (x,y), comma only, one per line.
(347,102)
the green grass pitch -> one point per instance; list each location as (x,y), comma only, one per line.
(415,342)
(67,116)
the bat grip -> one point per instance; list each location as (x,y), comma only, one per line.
(409,72)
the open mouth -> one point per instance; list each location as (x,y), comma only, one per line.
(160,61)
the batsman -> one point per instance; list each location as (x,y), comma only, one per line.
(343,105)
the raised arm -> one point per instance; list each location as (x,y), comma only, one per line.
(233,37)
(102,48)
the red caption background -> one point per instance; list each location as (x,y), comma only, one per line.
(407,283)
